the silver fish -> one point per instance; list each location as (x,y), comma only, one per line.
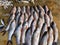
(30,33)
(24,29)
(36,35)
(47,37)
(29,21)
(19,20)
(55,31)
(18,28)
(28,37)
(10,28)
(50,33)
(11,18)
(17,33)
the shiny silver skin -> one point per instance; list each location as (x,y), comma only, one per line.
(50,38)
(10,28)
(55,34)
(18,28)
(28,37)
(36,35)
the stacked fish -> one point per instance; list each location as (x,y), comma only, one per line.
(32,25)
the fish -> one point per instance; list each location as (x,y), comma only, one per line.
(17,34)
(40,22)
(55,33)
(11,31)
(28,37)
(19,23)
(18,28)
(11,18)
(30,32)
(50,38)
(47,37)
(36,35)
(10,28)
(24,29)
